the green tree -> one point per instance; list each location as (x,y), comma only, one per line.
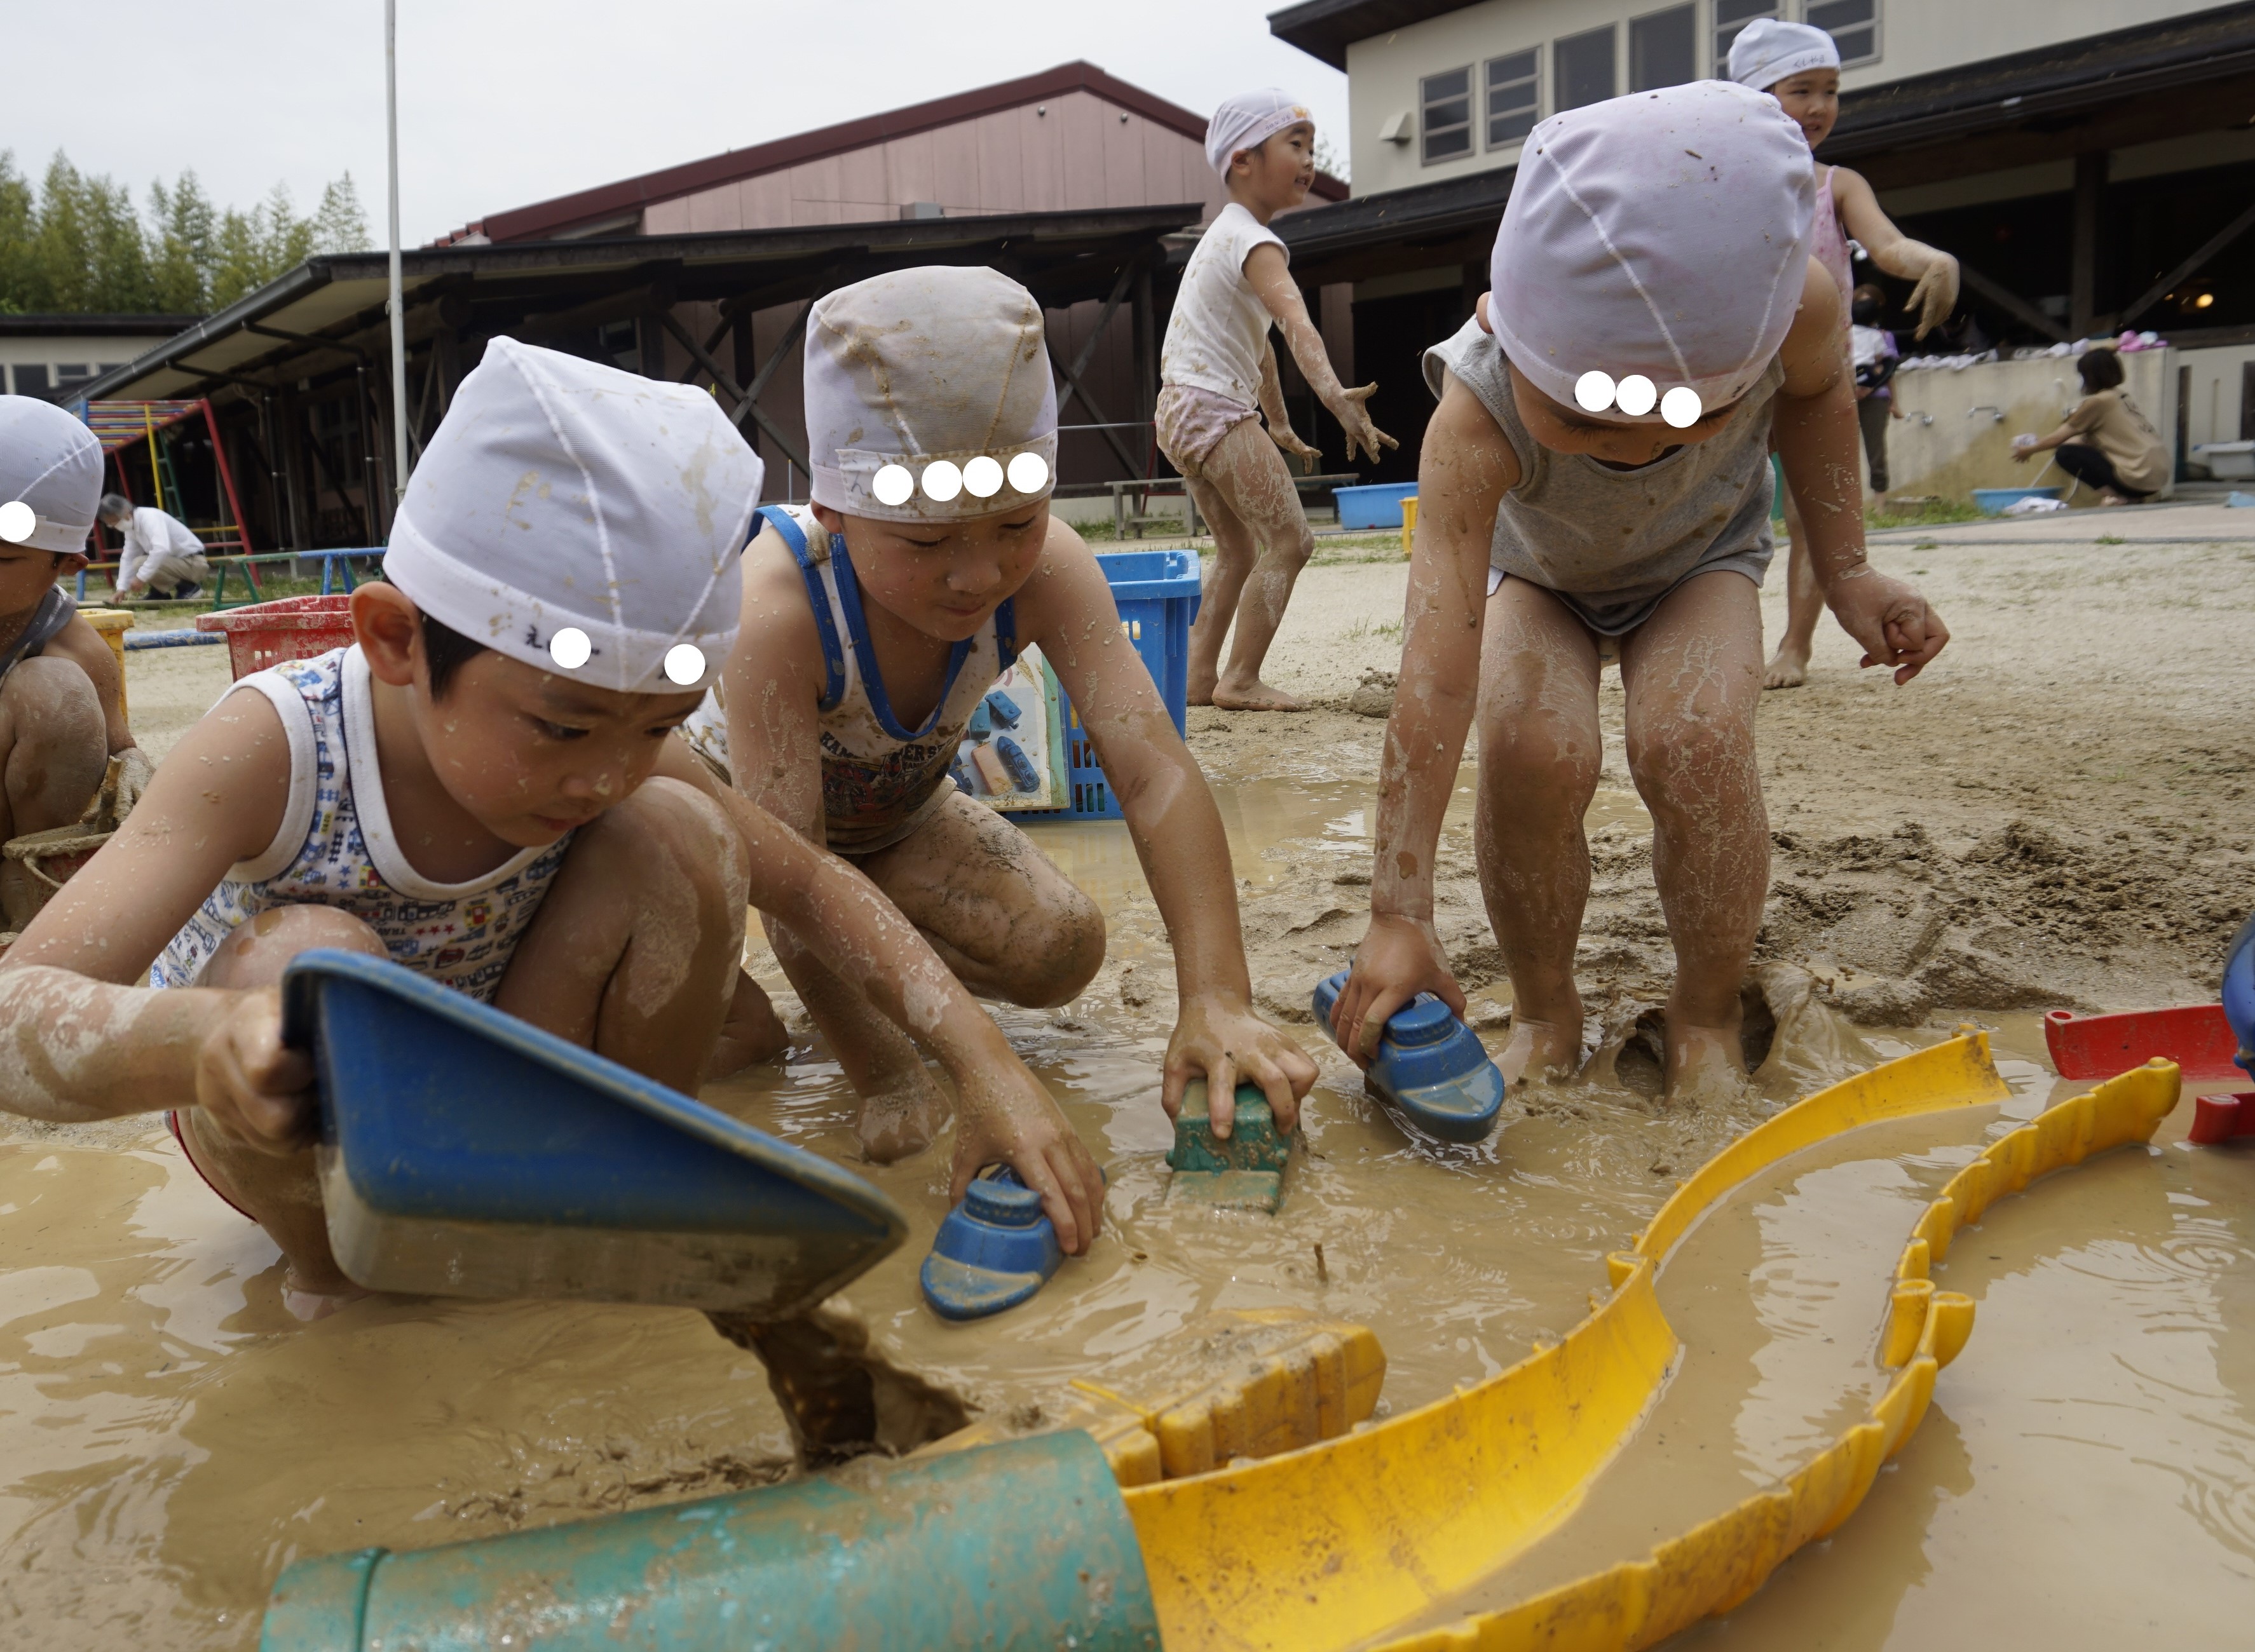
(339,225)
(183,244)
(19,210)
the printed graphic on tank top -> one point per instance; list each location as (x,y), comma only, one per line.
(335,847)
(879,779)
(1611,544)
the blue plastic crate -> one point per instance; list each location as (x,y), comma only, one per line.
(1157,592)
(1376,505)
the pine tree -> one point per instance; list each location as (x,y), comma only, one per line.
(183,236)
(17,209)
(340,226)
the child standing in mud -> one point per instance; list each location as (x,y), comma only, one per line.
(876,619)
(1800,66)
(481,789)
(1594,487)
(1217,365)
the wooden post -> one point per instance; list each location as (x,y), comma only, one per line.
(1144,319)
(2082,280)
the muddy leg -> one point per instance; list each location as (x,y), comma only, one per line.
(752,1033)
(1235,551)
(1541,751)
(1693,672)
(902,1106)
(634,953)
(53,748)
(284,1195)
(1804,606)
(1250,475)
(842,1400)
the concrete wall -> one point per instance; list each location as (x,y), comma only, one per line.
(1949,441)
(1075,151)
(1917,37)
(2213,383)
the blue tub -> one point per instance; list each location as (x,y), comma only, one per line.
(1990,501)
(1376,506)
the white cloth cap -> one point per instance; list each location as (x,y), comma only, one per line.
(1768,50)
(558,492)
(941,362)
(1665,233)
(1247,120)
(50,462)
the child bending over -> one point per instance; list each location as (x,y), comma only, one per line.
(1596,486)
(1800,66)
(62,716)
(1216,365)
(873,624)
(477,789)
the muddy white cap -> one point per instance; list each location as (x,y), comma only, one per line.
(929,396)
(1769,50)
(1663,236)
(50,477)
(560,496)
(1247,120)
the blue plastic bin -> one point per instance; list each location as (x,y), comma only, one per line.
(1157,592)
(1378,505)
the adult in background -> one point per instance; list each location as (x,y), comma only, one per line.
(1871,349)
(2105,442)
(162,553)
(1800,66)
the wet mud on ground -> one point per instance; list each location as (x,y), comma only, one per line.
(2049,817)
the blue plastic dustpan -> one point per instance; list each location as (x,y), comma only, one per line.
(464,1152)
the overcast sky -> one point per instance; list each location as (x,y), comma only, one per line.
(503,103)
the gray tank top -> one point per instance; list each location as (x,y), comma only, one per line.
(1611,543)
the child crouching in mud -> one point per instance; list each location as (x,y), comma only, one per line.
(873,624)
(481,789)
(1596,486)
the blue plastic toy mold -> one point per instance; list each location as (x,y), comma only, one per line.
(992,1251)
(1430,1067)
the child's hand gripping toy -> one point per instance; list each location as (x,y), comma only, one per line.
(1430,1068)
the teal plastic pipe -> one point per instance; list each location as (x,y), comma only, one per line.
(1021,1545)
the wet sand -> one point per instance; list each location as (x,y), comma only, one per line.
(2045,819)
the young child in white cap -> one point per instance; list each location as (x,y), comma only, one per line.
(481,788)
(1217,366)
(62,716)
(875,623)
(1595,486)
(1800,66)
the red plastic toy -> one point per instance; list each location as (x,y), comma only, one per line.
(2217,1119)
(2196,1037)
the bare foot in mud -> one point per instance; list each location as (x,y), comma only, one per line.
(1788,668)
(843,1399)
(901,1119)
(752,1033)
(1540,1050)
(1256,697)
(1704,1063)
(1201,686)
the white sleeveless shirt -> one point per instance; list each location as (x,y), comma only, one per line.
(335,847)
(879,779)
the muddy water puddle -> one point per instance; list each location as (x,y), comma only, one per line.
(170,1438)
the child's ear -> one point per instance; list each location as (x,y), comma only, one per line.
(833,522)
(1479,313)
(67,567)
(389,628)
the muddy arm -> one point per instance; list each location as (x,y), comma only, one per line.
(1271,277)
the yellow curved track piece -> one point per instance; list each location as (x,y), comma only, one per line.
(1332,1545)
(1716,1566)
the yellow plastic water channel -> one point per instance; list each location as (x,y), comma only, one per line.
(1331,1545)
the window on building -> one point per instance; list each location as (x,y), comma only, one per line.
(1514,97)
(73,373)
(1663,49)
(1853,24)
(1731,16)
(30,378)
(1582,67)
(1445,114)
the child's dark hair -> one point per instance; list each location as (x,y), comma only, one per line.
(445,652)
(2101,369)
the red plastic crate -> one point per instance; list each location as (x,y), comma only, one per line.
(291,628)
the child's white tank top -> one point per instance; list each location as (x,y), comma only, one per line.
(879,779)
(335,848)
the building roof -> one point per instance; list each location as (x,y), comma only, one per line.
(61,324)
(593,206)
(328,313)
(1325,28)
(2026,88)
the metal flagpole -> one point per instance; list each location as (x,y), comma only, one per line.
(398,309)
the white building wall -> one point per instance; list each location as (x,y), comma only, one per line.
(1917,37)
(57,360)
